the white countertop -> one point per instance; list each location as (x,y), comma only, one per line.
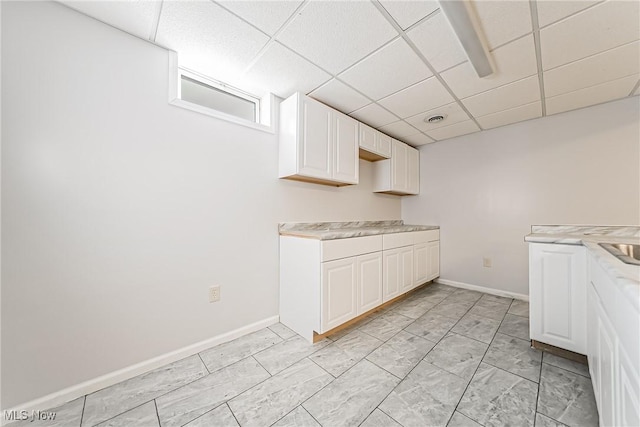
(345,230)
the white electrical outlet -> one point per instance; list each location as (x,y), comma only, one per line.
(214,294)
(486,262)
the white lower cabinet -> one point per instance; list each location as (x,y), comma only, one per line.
(324,284)
(557,292)
(629,391)
(434,259)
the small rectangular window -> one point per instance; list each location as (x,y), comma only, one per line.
(226,100)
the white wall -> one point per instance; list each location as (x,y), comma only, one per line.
(485,190)
(119,210)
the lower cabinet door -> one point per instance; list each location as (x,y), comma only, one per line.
(421,267)
(434,259)
(339,293)
(407,281)
(592,341)
(629,392)
(392,274)
(607,360)
(369,281)
(557,290)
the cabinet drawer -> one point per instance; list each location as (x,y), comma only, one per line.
(343,248)
(397,240)
(425,236)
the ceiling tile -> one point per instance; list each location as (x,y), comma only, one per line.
(374,115)
(283,72)
(592,95)
(423,96)
(513,115)
(398,129)
(437,42)
(417,139)
(386,71)
(609,65)
(407,13)
(503,21)
(453,114)
(513,61)
(594,30)
(553,10)
(504,97)
(267,15)
(452,131)
(209,39)
(136,17)
(337,34)
(339,96)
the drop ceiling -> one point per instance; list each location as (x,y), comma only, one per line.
(392,63)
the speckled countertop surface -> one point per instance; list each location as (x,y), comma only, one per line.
(345,230)
(626,276)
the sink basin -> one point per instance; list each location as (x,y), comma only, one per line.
(629,254)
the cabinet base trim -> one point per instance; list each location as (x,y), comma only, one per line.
(317,337)
(561,352)
(70,393)
(484,289)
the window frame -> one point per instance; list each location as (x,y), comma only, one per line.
(264,118)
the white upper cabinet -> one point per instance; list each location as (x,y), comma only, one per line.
(317,143)
(400,174)
(374,145)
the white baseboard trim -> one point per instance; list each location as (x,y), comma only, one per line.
(70,393)
(484,289)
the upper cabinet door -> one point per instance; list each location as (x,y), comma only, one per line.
(399,167)
(413,171)
(367,137)
(315,155)
(383,145)
(345,165)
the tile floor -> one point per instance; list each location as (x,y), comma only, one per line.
(442,357)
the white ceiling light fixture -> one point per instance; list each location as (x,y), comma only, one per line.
(464,23)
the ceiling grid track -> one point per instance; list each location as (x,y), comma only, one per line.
(635,87)
(415,49)
(536,40)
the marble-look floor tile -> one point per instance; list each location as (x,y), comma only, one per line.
(272,399)
(516,326)
(477,327)
(459,420)
(336,358)
(519,308)
(349,399)
(401,353)
(514,355)
(488,298)
(111,401)
(440,287)
(458,355)
(544,421)
(431,326)
(282,331)
(453,310)
(299,417)
(68,414)
(230,352)
(490,309)
(379,419)
(414,307)
(387,325)
(219,417)
(144,416)
(189,402)
(464,295)
(567,397)
(287,353)
(498,398)
(569,365)
(426,397)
